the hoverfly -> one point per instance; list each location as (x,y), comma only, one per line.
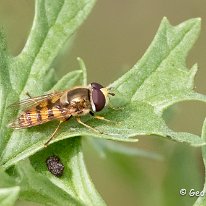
(61,106)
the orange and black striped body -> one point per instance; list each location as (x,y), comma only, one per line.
(43,112)
(58,106)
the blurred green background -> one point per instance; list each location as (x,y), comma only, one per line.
(112,40)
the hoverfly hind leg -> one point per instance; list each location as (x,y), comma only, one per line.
(55,131)
(52,135)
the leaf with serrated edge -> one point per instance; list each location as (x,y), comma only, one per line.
(54,23)
(137,116)
(161,78)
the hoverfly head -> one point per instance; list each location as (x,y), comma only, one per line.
(99,96)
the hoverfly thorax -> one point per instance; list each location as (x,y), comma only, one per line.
(75,95)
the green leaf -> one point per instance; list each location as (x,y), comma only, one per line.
(9,191)
(75,180)
(161,78)
(201,201)
(157,81)
(105,147)
(73,188)
(38,188)
(54,23)
(138,115)
(9,195)
(6,180)
(182,172)
(50,79)
(4,76)
(5,91)
(69,80)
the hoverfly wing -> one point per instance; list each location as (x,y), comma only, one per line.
(31,102)
(35,111)
(33,116)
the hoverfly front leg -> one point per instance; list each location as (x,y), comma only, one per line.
(99,117)
(103,118)
(86,125)
(27,93)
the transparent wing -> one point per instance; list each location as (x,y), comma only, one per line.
(30,102)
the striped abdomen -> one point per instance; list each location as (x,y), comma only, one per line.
(39,114)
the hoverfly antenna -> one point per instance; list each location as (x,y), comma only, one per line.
(111,93)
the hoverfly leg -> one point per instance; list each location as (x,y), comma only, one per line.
(86,125)
(91,113)
(53,134)
(106,120)
(27,93)
(66,119)
(100,117)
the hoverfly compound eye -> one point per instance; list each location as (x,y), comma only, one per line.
(98,100)
(96,85)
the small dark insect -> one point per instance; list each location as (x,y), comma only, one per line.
(55,166)
(61,106)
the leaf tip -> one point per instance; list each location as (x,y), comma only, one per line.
(194,69)
(83,69)
(204,130)
(198,19)
(194,22)
(3,42)
(79,59)
(165,20)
